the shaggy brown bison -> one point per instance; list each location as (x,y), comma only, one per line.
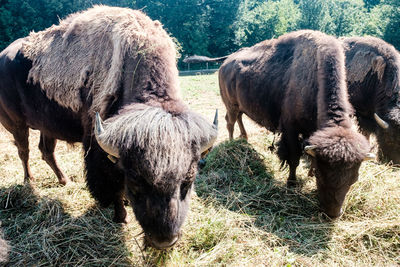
(121,64)
(373,80)
(296,85)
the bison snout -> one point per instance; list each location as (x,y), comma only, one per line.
(334,213)
(165,243)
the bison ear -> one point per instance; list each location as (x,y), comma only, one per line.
(310,150)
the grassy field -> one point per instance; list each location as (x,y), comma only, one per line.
(241,213)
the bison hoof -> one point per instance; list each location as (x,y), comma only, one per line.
(28,179)
(120,216)
(291,183)
(243,137)
(64,181)
(118,219)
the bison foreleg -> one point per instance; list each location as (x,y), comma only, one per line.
(105,180)
(21,136)
(290,151)
(47,146)
(243,133)
(119,209)
(233,115)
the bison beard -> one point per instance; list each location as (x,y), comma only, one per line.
(296,85)
(121,64)
(374,87)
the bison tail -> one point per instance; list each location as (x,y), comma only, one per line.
(202,59)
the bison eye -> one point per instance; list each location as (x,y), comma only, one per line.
(185,186)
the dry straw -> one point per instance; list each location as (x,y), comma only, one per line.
(241,212)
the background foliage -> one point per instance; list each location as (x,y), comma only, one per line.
(219,27)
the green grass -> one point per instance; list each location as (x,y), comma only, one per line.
(242,214)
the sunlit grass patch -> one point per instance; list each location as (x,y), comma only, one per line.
(242,213)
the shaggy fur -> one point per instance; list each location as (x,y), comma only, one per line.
(165,139)
(339,145)
(89,49)
(296,85)
(373,76)
(120,63)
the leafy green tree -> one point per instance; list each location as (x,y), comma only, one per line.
(259,21)
(221,34)
(186,20)
(314,14)
(19,17)
(346,17)
(392,32)
(371,3)
(336,17)
(376,21)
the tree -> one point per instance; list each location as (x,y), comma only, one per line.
(392,33)
(221,34)
(369,4)
(186,20)
(259,21)
(19,17)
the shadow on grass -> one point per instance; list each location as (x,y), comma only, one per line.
(40,232)
(235,176)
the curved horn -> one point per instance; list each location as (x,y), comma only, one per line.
(215,123)
(209,144)
(310,150)
(370,156)
(98,130)
(381,122)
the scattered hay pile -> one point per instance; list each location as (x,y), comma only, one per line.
(236,174)
(42,233)
(243,215)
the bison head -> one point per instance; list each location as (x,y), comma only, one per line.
(158,151)
(336,155)
(388,135)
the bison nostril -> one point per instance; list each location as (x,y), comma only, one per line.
(166,243)
(335,214)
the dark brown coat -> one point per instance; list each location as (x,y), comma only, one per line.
(373,78)
(296,85)
(121,64)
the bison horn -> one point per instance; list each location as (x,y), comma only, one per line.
(98,130)
(209,144)
(215,123)
(310,150)
(370,156)
(381,122)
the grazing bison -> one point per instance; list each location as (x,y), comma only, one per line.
(373,80)
(296,85)
(115,64)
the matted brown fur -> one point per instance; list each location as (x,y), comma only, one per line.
(373,77)
(296,85)
(89,49)
(165,139)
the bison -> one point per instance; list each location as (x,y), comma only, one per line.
(117,65)
(373,80)
(296,85)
